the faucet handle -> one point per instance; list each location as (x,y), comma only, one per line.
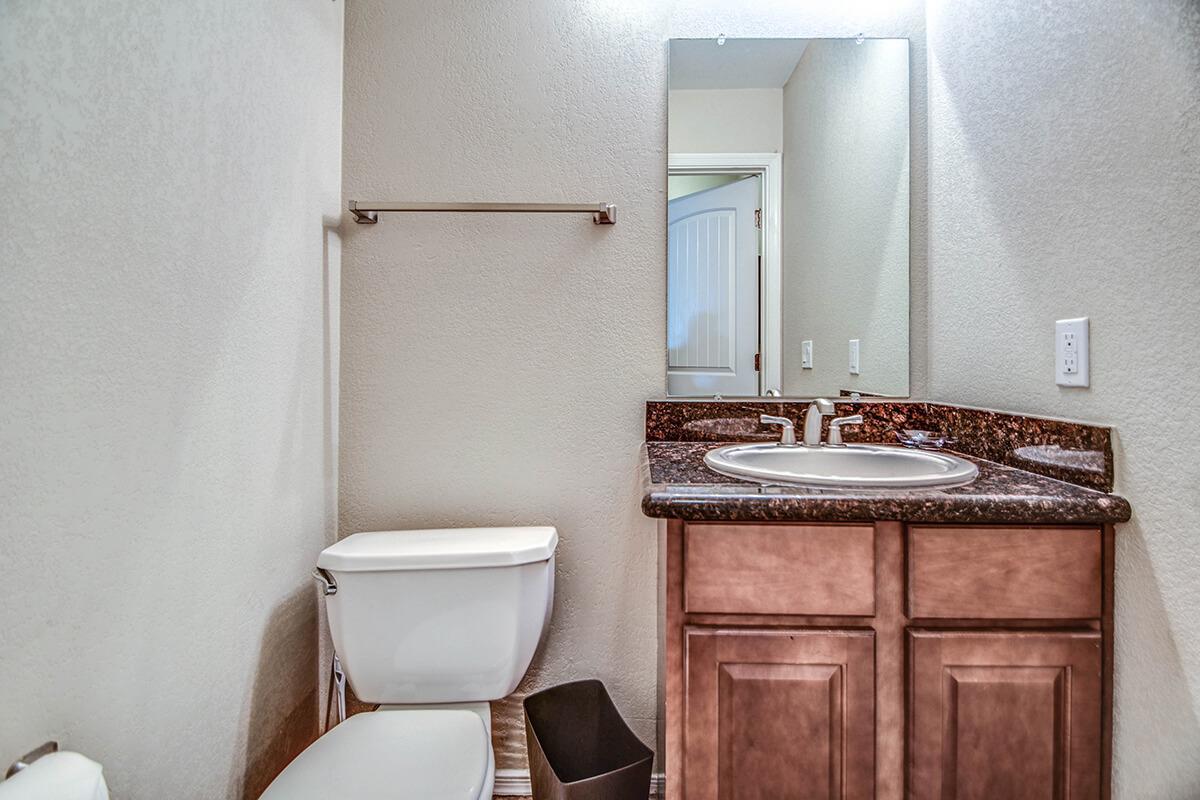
(789,428)
(835,428)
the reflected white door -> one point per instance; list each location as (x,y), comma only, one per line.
(712,291)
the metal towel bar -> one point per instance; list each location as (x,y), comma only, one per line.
(30,757)
(367,212)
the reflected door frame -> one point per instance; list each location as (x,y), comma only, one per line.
(769,168)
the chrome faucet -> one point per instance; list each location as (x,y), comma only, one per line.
(789,430)
(835,428)
(820,407)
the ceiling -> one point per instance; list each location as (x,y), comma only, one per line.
(737,64)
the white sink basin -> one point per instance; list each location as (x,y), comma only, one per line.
(854,466)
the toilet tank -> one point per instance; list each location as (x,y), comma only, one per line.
(439,616)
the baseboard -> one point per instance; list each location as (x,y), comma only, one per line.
(515,783)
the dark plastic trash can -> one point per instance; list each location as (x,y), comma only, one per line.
(581,749)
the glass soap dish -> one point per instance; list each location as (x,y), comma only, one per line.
(925,440)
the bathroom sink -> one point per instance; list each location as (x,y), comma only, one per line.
(853,466)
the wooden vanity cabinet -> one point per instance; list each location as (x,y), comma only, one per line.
(850,661)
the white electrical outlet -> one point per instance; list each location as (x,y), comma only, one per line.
(806,354)
(854,357)
(1071,352)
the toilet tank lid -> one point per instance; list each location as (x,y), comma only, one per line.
(443,548)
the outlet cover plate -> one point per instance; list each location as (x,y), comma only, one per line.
(1071,367)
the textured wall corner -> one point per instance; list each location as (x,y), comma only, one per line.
(1065,181)
(171,178)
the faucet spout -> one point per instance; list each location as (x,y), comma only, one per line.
(820,407)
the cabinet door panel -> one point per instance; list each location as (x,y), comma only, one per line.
(779,714)
(1004,716)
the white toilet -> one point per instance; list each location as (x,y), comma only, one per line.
(431,625)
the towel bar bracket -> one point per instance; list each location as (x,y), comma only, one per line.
(363,217)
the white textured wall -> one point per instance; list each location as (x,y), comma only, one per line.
(165,448)
(845,217)
(1065,181)
(725,121)
(495,367)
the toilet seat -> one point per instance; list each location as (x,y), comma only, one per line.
(441,754)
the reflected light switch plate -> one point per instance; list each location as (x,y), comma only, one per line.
(806,354)
(854,357)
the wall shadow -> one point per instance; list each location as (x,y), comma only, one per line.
(284,706)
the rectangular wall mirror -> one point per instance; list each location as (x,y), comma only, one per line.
(787,217)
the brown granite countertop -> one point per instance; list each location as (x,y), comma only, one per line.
(1076,452)
(678,485)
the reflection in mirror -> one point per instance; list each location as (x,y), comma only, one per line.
(787,220)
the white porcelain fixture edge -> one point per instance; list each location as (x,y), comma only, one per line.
(439,616)
(442,754)
(439,548)
(431,625)
(853,466)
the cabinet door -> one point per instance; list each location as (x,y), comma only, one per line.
(780,714)
(1004,716)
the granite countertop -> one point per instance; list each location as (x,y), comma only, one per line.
(677,484)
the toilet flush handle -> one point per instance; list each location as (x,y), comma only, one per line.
(324,577)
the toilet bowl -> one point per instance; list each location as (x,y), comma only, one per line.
(431,625)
